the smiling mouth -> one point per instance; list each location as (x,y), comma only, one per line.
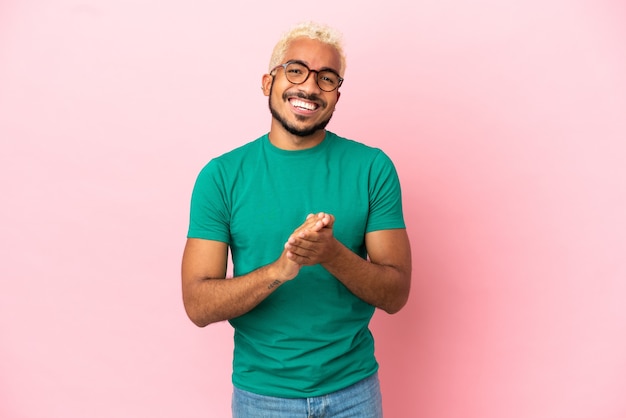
(302,105)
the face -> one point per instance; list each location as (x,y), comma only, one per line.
(303,109)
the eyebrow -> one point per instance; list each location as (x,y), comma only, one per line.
(321,69)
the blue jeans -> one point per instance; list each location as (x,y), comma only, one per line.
(361,400)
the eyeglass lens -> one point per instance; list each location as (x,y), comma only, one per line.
(298,73)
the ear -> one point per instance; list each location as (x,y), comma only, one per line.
(266,84)
(338,95)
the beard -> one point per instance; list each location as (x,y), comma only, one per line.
(301,132)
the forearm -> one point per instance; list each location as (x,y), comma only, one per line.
(209,297)
(208,300)
(383,286)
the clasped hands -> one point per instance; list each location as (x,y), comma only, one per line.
(313,241)
(309,244)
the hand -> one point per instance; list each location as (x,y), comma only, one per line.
(286,267)
(313,242)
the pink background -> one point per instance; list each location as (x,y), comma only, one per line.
(506,120)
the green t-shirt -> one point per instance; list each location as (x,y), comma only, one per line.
(310,337)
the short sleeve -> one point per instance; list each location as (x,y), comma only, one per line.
(209,214)
(385,196)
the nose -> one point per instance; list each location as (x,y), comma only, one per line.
(311,82)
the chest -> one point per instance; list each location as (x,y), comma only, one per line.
(270,200)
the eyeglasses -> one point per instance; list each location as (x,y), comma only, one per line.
(297,73)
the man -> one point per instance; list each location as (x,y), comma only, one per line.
(315,226)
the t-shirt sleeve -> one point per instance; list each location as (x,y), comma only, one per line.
(209,214)
(385,196)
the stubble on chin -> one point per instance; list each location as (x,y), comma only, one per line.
(301,132)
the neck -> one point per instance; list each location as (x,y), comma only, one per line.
(282,139)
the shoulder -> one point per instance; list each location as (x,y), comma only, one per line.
(341,143)
(358,150)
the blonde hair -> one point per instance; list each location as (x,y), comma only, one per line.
(312,30)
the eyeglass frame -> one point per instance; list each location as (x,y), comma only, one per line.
(317,72)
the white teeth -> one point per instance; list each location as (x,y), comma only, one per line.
(304,105)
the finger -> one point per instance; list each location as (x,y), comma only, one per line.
(326,219)
(314,228)
(314,222)
(309,235)
(309,222)
(300,246)
(298,259)
(308,227)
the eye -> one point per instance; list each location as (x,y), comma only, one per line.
(328,78)
(296,69)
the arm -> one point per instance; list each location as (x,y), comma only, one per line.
(209,297)
(384,281)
